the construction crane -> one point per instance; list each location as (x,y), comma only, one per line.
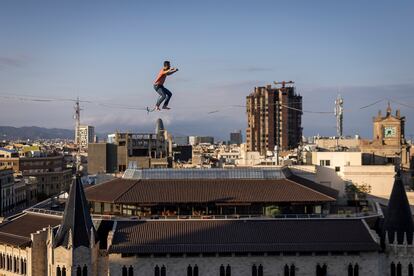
(283,83)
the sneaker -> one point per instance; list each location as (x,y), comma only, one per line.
(166,107)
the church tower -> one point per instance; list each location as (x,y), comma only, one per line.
(73,248)
(389,129)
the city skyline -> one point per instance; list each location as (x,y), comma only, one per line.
(111,53)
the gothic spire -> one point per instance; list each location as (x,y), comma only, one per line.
(398,219)
(77,226)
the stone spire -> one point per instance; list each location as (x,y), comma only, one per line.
(77,227)
(389,109)
(398,219)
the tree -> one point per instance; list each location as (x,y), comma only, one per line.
(355,191)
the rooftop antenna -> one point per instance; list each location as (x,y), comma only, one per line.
(77,138)
(339,114)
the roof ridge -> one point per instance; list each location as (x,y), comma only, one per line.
(310,189)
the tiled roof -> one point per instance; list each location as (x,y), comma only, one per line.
(221,236)
(17,231)
(203,190)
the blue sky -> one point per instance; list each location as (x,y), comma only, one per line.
(110,52)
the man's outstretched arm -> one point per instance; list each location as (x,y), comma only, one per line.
(171,71)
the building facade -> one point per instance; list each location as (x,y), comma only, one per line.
(236,138)
(137,150)
(274,117)
(84,135)
(7,191)
(71,243)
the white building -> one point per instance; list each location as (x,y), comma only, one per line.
(84,135)
(337,169)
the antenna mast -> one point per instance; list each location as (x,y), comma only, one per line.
(77,136)
(339,114)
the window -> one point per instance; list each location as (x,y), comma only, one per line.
(337,169)
(64,271)
(392,267)
(189,271)
(228,270)
(321,270)
(58,271)
(195,270)
(260,272)
(410,270)
(85,271)
(399,269)
(356,270)
(125,271)
(350,270)
(130,271)
(292,270)
(222,271)
(286,270)
(254,270)
(163,271)
(79,271)
(156,271)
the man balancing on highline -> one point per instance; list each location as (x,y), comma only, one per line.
(165,94)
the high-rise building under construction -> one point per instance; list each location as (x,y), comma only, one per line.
(274,116)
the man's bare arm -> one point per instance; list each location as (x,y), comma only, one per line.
(171,71)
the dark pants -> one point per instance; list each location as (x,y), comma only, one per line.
(164,93)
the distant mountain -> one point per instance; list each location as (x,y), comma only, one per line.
(33,133)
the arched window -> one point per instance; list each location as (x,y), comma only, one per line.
(163,271)
(410,270)
(156,271)
(58,271)
(14,264)
(350,270)
(85,271)
(124,271)
(356,270)
(18,265)
(286,271)
(321,270)
(24,267)
(130,271)
(79,271)
(260,271)
(254,270)
(222,271)
(228,270)
(195,271)
(189,271)
(392,267)
(399,269)
(292,270)
(64,271)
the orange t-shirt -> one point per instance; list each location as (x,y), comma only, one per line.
(161,77)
